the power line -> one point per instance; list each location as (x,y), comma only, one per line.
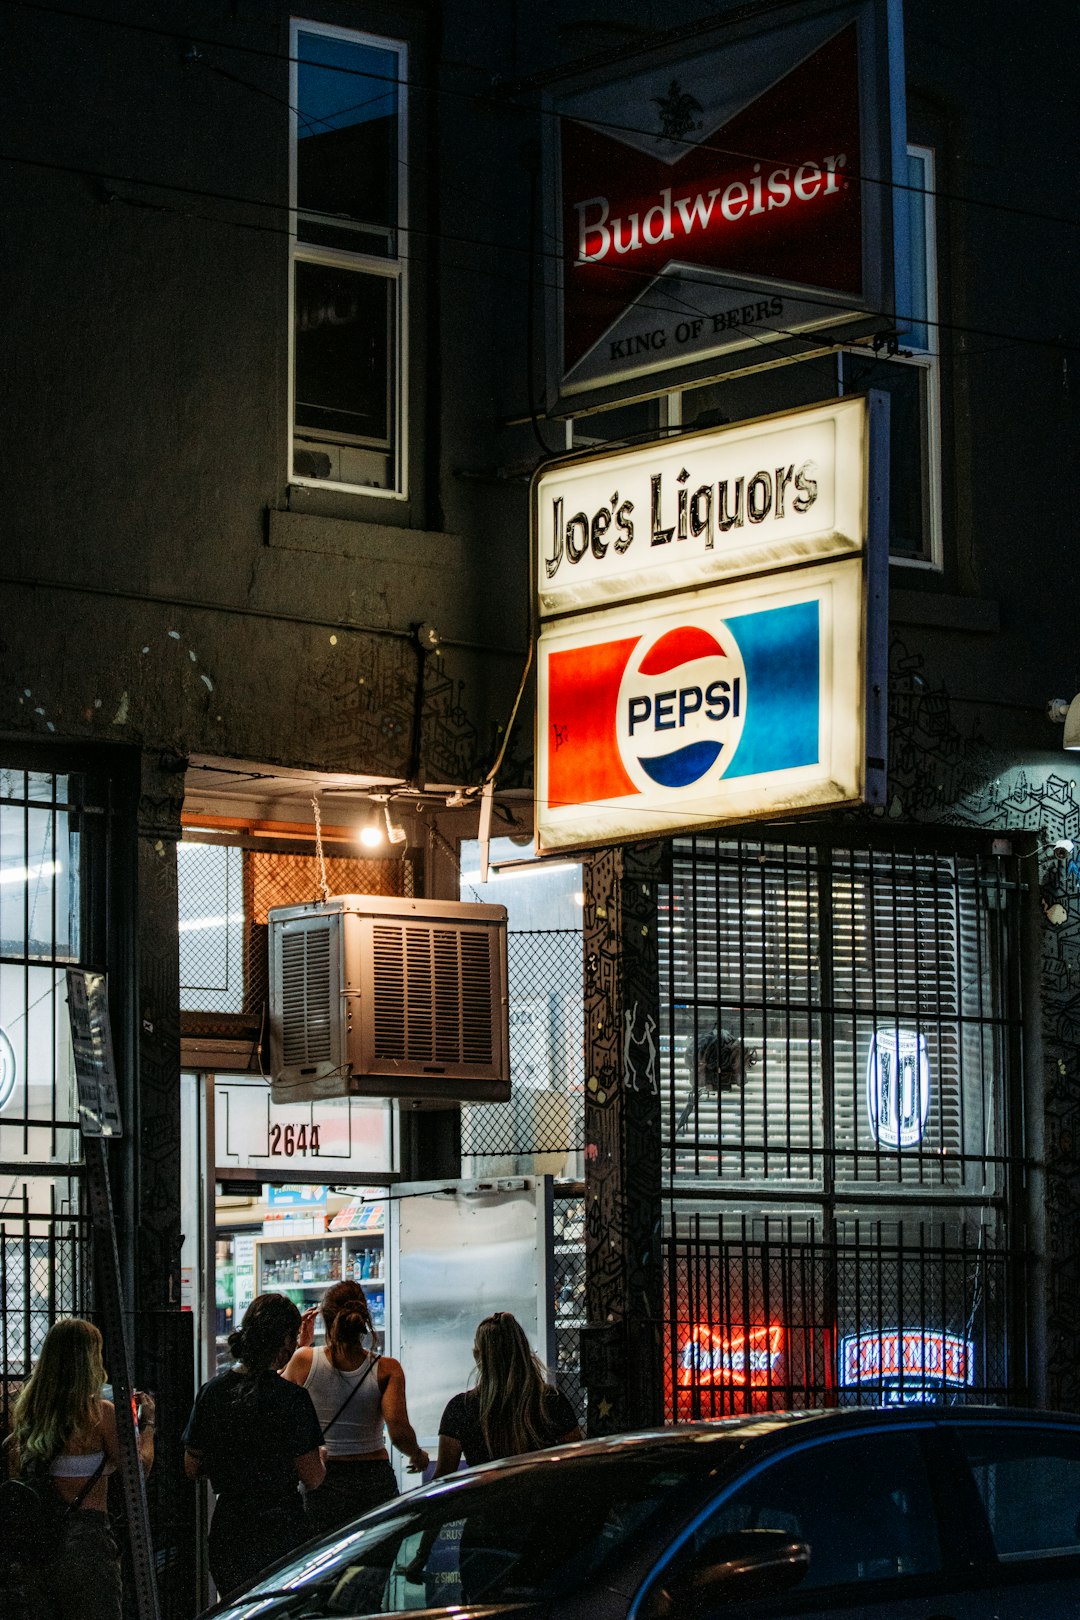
(492,97)
(821,339)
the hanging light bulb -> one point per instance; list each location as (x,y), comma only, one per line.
(371,834)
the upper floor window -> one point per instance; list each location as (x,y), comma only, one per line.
(348,260)
(911,380)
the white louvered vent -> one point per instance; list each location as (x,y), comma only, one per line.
(386,997)
(307,1009)
(432,994)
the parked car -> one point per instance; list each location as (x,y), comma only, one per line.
(934,1512)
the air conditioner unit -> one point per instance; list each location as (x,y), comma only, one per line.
(375,996)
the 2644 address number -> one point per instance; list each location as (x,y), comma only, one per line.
(286,1141)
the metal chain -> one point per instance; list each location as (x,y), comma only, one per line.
(324,887)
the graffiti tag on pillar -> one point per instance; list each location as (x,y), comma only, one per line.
(639,1077)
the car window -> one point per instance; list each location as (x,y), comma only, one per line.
(1029,1481)
(521,1537)
(861,1503)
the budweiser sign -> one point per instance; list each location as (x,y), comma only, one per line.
(716,204)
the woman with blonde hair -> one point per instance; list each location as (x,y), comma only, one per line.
(63,1439)
(513,1409)
(356,1392)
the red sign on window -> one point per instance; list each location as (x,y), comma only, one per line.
(724,201)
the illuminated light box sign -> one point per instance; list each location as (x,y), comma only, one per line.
(709,204)
(743,499)
(745,1358)
(911,1361)
(898,1087)
(713,627)
(721,704)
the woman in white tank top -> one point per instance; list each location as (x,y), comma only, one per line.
(356,1393)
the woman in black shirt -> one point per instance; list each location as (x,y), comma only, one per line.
(511,1410)
(258,1439)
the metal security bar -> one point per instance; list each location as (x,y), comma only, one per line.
(770,1312)
(45,1250)
(568,1234)
(44,1273)
(841,1075)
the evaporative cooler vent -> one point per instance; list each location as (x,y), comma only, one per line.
(378,996)
(306,1007)
(432,994)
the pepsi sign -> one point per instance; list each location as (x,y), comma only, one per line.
(711,705)
(712,612)
(681,707)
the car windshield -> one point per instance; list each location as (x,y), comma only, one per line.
(529,1536)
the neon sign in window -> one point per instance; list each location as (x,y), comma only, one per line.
(911,1360)
(898,1087)
(743,1358)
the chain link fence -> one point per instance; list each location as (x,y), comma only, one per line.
(541,1128)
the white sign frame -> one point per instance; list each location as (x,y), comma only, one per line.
(839,777)
(808,469)
(246,1118)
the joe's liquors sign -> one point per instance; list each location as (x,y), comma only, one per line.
(715,210)
(711,614)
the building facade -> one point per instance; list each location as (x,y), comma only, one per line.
(280,371)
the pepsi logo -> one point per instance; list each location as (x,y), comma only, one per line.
(682,707)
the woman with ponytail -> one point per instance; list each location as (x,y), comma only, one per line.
(512,1408)
(356,1392)
(258,1440)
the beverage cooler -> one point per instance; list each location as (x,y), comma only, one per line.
(455,1253)
(352,1248)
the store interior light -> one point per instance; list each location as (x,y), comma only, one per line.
(371,834)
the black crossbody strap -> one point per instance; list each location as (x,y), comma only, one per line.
(77,1502)
(372,1364)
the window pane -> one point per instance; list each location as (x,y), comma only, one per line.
(509,1541)
(909,534)
(920,179)
(345,323)
(347,143)
(863,1506)
(1029,1481)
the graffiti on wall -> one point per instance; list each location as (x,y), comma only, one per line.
(939,772)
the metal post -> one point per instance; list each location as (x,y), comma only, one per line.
(111,1304)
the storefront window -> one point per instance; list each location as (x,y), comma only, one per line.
(838,1039)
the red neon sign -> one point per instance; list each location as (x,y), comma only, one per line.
(744,1358)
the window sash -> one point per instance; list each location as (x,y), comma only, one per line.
(363,247)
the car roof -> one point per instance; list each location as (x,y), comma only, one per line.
(767,1427)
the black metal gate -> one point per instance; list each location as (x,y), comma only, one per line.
(842,1134)
(45,1260)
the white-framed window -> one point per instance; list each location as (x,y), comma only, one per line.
(348,261)
(912,379)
